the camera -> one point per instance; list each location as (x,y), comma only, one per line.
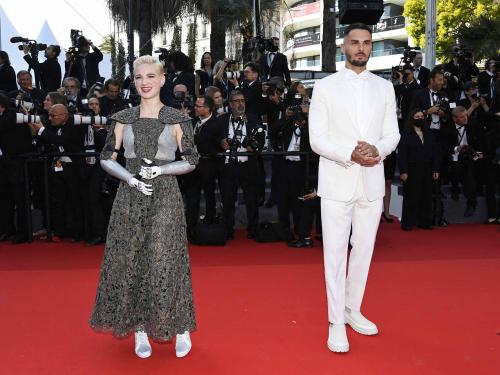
(35,47)
(251,139)
(26,119)
(77,42)
(468,154)
(297,114)
(409,54)
(232,75)
(89,120)
(180,100)
(164,54)
(461,53)
(28,102)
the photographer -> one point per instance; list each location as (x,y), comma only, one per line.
(237,132)
(71,90)
(83,64)
(181,100)
(462,147)
(208,168)
(112,101)
(226,76)
(459,70)
(291,136)
(180,71)
(7,74)
(420,72)
(49,71)
(15,140)
(252,89)
(275,64)
(405,90)
(28,93)
(486,80)
(65,172)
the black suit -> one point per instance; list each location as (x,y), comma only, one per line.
(8,80)
(65,184)
(419,160)
(277,68)
(404,95)
(15,140)
(423,76)
(236,173)
(254,102)
(49,72)
(205,175)
(109,107)
(486,84)
(291,174)
(462,170)
(422,101)
(85,67)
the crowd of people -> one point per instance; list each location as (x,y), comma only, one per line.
(448,121)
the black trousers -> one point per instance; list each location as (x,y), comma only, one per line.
(463,172)
(13,204)
(244,175)
(95,223)
(66,201)
(492,190)
(311,209)
(417,195)
(204,177)
(291,186)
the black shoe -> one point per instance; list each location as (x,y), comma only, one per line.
(469,210)
(443,223)
(406,228)
(301,243)
(388,219)
(95,241)
(492,220)
(4,236)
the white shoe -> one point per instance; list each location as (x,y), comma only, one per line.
(142,346)
(337,339)
(359,323)
(183,345)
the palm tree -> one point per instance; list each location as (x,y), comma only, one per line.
(150,17)
(328,43)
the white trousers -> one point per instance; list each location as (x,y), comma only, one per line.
(337,218)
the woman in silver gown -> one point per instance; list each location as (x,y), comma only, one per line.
(145,280)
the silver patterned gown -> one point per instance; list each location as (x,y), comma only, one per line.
(145,280)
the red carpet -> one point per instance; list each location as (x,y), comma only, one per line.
(261,309)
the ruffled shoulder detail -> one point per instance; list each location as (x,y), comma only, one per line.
(169,115)
(127,116)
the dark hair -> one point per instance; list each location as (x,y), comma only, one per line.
(23,72)
(56,49)
(409,120)
(181,62)
(209,102)
(202,66)
(57,98)
(469,85)
(435,72)
(234,93)
(487,63)
(4,100)
(211,90)
(357,26)
(111,81)
(5,57)
(255,68)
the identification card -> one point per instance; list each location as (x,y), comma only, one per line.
(58,166)
(296,147)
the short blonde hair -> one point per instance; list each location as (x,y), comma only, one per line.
(148,59)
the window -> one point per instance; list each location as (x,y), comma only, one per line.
(308,31)
(307,62)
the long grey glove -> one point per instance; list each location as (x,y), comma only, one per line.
(115,169)
(175,168)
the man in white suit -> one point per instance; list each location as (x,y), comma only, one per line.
(353,127)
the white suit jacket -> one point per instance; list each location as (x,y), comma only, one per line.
(334,133)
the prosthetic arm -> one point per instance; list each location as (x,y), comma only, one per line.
(116,170)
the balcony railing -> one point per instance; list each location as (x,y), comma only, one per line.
(379,53)
(304,40)
(386,24)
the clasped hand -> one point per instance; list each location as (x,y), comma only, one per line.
(365,154)
(150,172)
(144,188)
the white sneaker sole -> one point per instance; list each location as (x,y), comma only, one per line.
(182,354)
(361,330)
(338,348)
(144,355)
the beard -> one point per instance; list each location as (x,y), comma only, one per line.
(359,63)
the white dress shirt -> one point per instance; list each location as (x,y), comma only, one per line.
(243,128)
(462,140)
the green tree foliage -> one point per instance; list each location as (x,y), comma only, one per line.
(457,22)
(120,62)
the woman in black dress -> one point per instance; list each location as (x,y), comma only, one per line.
(204,75)
(418,160)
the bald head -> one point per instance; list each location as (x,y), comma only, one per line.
(181,88)
(58,115)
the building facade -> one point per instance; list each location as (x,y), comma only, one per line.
(302,28)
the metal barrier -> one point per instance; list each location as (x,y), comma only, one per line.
(47,158)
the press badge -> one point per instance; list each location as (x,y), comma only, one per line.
(296,147)
(58,166)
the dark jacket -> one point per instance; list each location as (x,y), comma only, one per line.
(8,80)
(278,67)
(411,150)
(109,107)
(484,84)
(172,80)
(49,72)
(283,133)
(254,102)
(404,95)
(422,100)
(423,76)
(205,138)
(450,137)
(69,137)
(92,60)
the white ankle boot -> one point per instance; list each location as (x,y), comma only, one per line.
(142,346)
(359,323)
(337,338)
(182,344)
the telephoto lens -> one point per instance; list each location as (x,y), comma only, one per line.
(26,119)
